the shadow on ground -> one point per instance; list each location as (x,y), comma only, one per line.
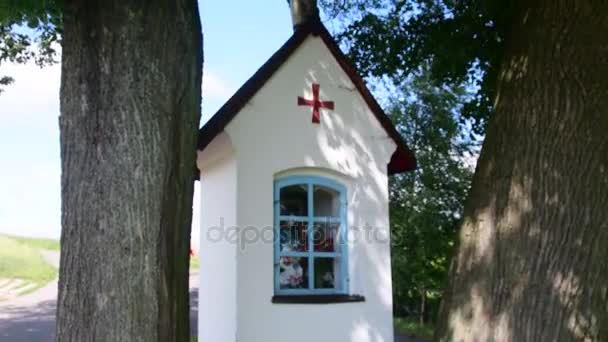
(193,312)
(37,324)
(29,324)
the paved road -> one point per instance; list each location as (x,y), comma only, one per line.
(31,318)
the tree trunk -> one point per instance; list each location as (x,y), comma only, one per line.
(532,263)
(422,305)
(130,109)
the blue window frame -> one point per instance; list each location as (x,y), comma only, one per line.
(310,234)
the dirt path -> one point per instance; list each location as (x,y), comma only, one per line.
(31,318)
(11,288)
(52,257)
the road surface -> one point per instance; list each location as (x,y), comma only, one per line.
(31,318)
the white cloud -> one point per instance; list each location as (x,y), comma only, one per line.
(214,87)
(34,95)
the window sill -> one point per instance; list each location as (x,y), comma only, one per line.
(317,299)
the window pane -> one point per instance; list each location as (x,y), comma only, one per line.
(294,237)
(293,273)
(294,200)
(326,236)
(326,272)
(326,201)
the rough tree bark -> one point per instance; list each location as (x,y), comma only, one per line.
(532,263)
(130,109)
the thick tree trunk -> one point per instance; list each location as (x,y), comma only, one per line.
(532,263)
(130,109)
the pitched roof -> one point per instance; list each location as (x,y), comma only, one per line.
(402,159)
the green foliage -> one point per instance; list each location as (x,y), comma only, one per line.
(29,30)
(194,263)
(439,59)
(462,41)
(426,205)
(411,327)
(5,80)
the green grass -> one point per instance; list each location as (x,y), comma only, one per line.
(37,243)
(21,261)
(411,326)
(194,263)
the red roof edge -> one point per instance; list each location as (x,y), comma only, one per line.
(402,159)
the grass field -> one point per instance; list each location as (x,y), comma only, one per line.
(413,327)
(194,263)
(21,260)
(50,244)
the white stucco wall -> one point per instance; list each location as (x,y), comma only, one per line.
(217,307)
(272,137)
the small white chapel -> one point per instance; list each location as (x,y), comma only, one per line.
(295,239)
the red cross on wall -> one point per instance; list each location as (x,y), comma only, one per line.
(315,103)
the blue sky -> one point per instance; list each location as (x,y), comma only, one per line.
(238,38)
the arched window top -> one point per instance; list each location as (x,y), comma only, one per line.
(328,182)
(326,196)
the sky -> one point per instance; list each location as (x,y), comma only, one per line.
(238,38)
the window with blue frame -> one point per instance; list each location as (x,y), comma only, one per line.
(310,236)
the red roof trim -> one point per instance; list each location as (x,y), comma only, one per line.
(402,159)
